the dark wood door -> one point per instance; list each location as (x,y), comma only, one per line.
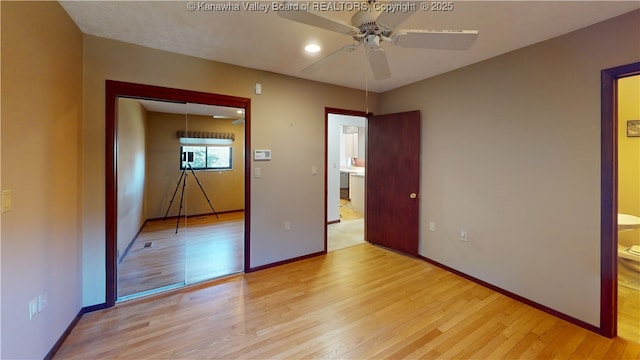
(393,181)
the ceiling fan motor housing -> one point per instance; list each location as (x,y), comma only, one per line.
(365,20)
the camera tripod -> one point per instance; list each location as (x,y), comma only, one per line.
(183,179)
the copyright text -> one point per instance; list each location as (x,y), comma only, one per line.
(318,6)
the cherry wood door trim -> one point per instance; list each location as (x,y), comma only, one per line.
(115,89)
(609,197)
(327,111)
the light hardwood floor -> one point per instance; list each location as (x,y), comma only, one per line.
(205,247)
(347,212)
(362,302)
(628,304)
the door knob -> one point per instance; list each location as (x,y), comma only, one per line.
(413,195)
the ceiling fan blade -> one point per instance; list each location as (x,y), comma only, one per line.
(431,39)
(379,64)
(391,18)
(290,10)
(328,59)
(225,117)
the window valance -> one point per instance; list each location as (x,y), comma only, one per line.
(206,135)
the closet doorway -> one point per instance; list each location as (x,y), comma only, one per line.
(177,188)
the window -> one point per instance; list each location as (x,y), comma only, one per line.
(206,157)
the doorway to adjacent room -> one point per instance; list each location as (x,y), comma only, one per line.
(619,300)
(387,189)
(345,182)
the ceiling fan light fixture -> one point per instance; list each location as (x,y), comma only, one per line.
(312,48)
(372,42)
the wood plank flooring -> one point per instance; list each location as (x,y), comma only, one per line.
(205,247)
(347,212)
(628,305)
(362,302)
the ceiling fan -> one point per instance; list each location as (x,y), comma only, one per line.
(371,26)
(237,120)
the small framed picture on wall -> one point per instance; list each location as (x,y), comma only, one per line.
(633,128)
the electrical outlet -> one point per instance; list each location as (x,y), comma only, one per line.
(287,226)
(45,299)
(463,235)
(33,307)
(432,226)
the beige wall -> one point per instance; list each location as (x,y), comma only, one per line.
(287,118)
(628,155)
(41,121)
(225,189)
(132,121)
(511,154)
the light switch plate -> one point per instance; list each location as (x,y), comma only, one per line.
(6,200)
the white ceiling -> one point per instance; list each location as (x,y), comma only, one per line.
(265,41)
(222,112)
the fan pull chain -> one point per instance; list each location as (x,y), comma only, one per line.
(366,91)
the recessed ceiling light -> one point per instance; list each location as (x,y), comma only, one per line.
(312,48)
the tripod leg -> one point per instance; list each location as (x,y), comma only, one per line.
(205,194)
(174,194)
(184,183)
